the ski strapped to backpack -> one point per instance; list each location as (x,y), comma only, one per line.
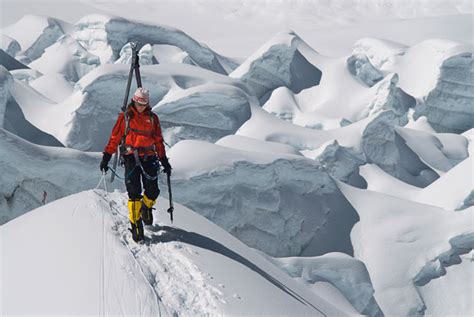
(134,65)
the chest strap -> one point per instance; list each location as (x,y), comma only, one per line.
(142,132)
(143,149)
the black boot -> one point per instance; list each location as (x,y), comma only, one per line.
(137,231)
(147,215)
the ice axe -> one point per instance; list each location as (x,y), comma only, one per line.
(170,196)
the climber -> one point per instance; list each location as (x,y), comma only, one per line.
(138,132)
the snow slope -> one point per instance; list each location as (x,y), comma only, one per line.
(95,268)
(449,191)
(54,87)
(264,126)
(11,116)
(35,33)
(440,151)
(405,245)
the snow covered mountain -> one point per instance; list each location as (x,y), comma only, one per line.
(325,172)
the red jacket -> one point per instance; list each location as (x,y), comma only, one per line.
(144,132)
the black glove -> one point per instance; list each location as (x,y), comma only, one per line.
(166,165)
(104,164)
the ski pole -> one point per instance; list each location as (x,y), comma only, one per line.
(171,209)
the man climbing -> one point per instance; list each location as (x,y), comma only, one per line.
(138,132)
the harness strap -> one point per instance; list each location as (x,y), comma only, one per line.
(129,149)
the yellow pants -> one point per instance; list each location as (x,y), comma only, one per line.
(134,207)
(148,202)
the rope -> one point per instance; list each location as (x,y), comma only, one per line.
(120,177)
(150,178)
(102,179)
(147,176)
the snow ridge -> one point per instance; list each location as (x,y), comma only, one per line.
(169,276)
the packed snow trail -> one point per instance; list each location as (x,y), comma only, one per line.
(164,267)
